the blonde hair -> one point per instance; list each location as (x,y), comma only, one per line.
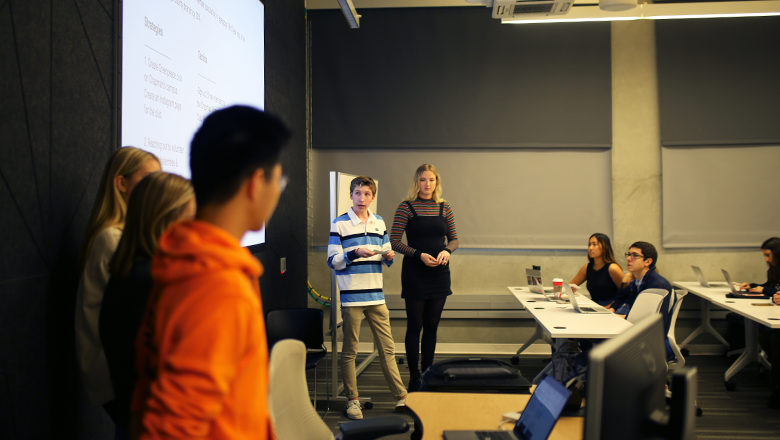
(110,207)
(414,191)
(156,202)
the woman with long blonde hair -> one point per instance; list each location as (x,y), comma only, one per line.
(157,201)
(126,167)
(431,236)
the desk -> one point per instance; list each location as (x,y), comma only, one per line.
(768,316)
(434,413)
(555,320)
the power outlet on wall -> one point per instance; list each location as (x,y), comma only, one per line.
(283,264)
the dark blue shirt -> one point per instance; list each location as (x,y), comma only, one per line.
(652,280)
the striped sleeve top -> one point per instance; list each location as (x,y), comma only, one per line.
(422,208)
(359,279)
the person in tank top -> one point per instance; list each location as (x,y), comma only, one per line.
(431,237)
(603,274)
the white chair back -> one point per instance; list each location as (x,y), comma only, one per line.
(679,361)
(288,395)
(647,303)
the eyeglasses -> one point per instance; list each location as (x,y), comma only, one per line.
(633,255)
(283,181)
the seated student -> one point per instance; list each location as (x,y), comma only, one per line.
(642,258)
(770,338)
(157,201)
(357,239)
(603,273)
(202,350)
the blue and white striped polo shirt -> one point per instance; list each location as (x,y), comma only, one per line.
(359,279)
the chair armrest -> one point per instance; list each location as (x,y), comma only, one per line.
(370,429)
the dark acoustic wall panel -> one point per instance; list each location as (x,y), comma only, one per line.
(718,81)
(285,95)
(457,78)
(56,77)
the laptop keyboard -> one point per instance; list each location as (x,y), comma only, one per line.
(587,309)
(494,435)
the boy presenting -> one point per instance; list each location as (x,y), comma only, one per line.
(358,246)
(202,353)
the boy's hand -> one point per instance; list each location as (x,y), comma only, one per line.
(389,256)
(364,252)
(757,289)
(627,278)
(443,258)
(429,260)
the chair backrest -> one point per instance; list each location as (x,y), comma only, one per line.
(302,324)
(647,303)
(288,395)
(679,361)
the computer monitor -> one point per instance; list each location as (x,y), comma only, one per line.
(626,389)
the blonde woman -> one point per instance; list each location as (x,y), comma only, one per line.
(425,278)
(159,200)
(126,167)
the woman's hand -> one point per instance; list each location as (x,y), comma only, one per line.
(744,286)
(757,289)
(389,256)
(776,298)
(443,258)
(574,287)
(364,252)
(627,278)
(429,260)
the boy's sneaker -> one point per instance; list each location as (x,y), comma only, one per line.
(353,410)
(400,406)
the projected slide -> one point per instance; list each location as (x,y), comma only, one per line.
(181,60)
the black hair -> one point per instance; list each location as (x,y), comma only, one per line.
(648,250)
(773,273)
(606,248)
(229,147)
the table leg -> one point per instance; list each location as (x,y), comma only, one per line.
(538,334)
(704,327)
(751,353)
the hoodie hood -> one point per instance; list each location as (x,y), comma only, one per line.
(189,249)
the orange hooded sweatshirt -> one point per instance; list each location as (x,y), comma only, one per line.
(202,348)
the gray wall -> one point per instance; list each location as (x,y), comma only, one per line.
(56,78)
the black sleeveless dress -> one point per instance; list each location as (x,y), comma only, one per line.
(600,285)
(428,235)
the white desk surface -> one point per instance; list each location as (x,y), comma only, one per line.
(562,321)
(766,315)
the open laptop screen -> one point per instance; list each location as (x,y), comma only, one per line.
(543,410)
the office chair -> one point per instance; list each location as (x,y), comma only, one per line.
(295,419)
(647,303)
(679,360)
(304,325)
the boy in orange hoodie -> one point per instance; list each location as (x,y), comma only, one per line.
(202,350)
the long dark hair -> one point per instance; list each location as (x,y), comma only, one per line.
(773,273)
(606,249)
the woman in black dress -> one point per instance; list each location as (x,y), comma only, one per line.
(425,278)
(603,274)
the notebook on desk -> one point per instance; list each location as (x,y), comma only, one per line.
(535,283)
(739,293)
(582,309)
(537,420)
(702,280)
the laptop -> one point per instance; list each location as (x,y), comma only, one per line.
(584,309)
(535,284)
(739,293)
(702,280)
(537,420)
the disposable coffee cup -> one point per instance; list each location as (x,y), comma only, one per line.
(558,287)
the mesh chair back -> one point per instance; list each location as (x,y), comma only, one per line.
(647,303)
(302,324)
(293,416)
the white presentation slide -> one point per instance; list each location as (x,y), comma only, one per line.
(181,60)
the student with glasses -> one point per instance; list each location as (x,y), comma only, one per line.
(641,260)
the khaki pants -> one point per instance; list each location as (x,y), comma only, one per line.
(378,318)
